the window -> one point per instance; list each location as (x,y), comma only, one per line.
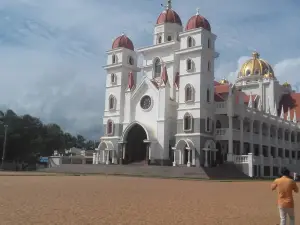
(189,93)
(159,39)
(208,95)
(190,42)
(113,78)
(208,124)
(208,43)
(189,64)
(130,60)
(208,66)
(109,127)
(114,59)
(112,102)
(187,122)
(218,124)
(169,38)
(157,67)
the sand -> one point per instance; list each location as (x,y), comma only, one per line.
(91,200)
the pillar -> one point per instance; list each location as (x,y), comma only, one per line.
(206,160)
(174,160)
(113,156)
(107,157)
(189,158)
(241,136)
(94,158)
(230,142)
(251,137)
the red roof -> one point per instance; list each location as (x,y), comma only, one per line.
(291,101)
(197,21)
(169,16)
(123,42)
(222,88)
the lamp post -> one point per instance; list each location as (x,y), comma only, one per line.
(4,145)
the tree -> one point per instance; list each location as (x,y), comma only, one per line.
(28,138)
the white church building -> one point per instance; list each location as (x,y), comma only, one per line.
(178,115)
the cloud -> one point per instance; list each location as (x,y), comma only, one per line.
(52,51)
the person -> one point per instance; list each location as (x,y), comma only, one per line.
(285,187)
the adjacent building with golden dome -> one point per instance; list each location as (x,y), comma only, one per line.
(179,115)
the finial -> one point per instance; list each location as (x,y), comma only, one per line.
(255,55)
(169,4)
(197,11)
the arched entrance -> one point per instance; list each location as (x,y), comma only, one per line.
(135,149)
(186,152)
(106,153)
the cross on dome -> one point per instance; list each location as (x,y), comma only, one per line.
(197,11)
(169,4)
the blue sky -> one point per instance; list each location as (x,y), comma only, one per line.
(52,51)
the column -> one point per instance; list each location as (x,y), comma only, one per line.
(94,158)
(251,137)
(180,157)
(242,136)
(97,158)
(206,160)
(113,156)
(189,157)
(250,164)
(174,160)
(103,156)
(107,156)
(230,142)
(147,153)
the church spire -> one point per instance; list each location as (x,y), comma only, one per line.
(288,118)
(295,117)
(275,109)
(250,103)
(282,113)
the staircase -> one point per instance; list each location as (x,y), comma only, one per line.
(223,172)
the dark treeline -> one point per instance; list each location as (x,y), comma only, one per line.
(28,138)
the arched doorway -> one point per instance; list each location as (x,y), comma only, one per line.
(219,157)
(135,149)
(186,155)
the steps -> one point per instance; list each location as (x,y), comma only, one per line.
(223,172)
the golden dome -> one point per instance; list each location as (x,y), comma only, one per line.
(223,81)
(256,67)
(286,84)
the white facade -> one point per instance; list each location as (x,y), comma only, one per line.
(179,115)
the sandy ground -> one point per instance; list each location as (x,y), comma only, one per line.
(91,200)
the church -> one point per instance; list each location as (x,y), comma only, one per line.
(179,115)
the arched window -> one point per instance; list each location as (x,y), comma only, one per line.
(208,95)
(208,66)
(113,78)
(208,124)
(157,67)
(114,59)
(218,124)
(189,64)
(159,39)
(112,102)
(189,93)
(187,122)
(208,43)
(130,60)
(169,38)
(190,42)
(109,127)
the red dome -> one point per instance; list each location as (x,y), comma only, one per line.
(123,42)
(197,21)
(169,16)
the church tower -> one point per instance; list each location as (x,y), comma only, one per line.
(168,26)
(121,62)
(196,84)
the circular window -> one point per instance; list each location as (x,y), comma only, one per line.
(146,102)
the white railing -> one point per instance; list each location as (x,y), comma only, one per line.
(240,159)
(221,131)
(220,105)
